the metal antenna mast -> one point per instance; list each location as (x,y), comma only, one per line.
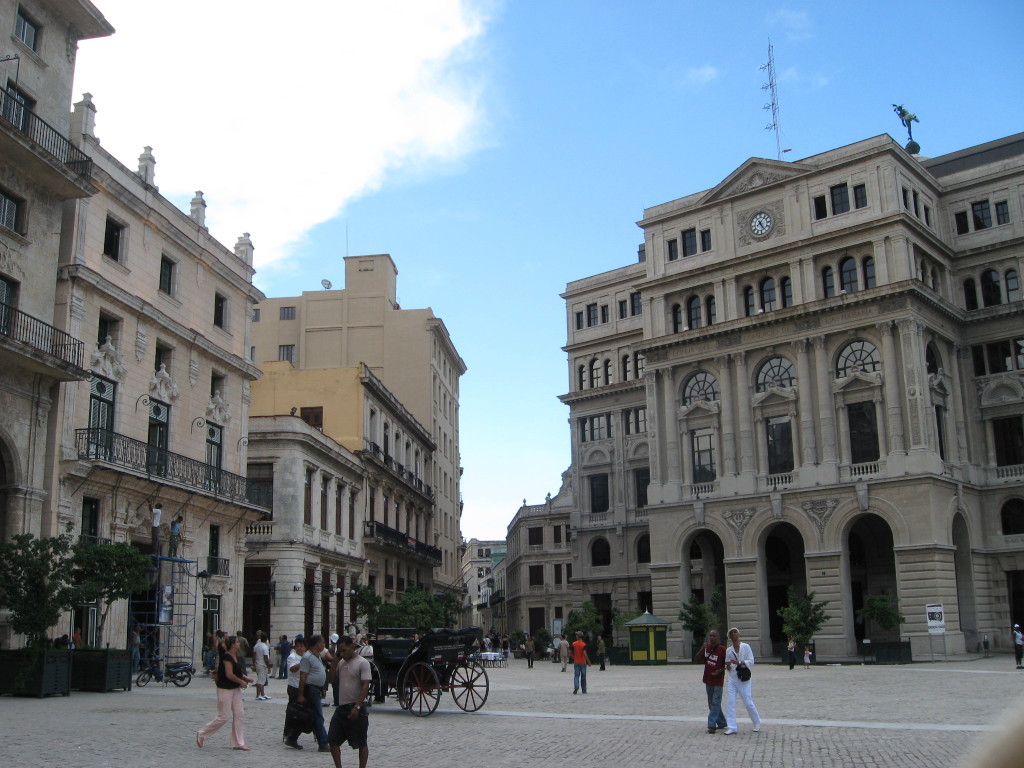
(773,105)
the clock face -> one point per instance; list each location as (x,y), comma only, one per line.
(761,224)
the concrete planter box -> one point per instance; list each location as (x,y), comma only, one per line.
(38,674)
(101,670)
(892,653)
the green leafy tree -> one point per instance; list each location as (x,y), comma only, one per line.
(36,583)
(803,617)
(517,637)
(415,608)
(541,640)
(879,611)
(699,617)
(366,603)
(585,619)
(108,572)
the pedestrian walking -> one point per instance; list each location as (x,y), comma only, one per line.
(293,663)
(231,681)
(563,651)
(791,650)
(712,653)
(261,666)
(738,656)
(312,679)
(601,648)
(807,657)
(529,646)
(351,673)
(1018,645)
(284,650)
(580,662)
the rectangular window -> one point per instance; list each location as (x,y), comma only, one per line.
(214,548)
(162,357)
(917,204)
(166,275)
(535,536)
(597,427)
(286,313)
(860,196)
(558,574)
(107,328)
(689,242)
(261,481)
(927,215)
(26,30)
(623,309)
(112,237)
(636,305)
(673,249)
(705,240)
(12,212)
(863,432)
(558,534)
(1002,212)
(214,446)
(579,320)
(780,445)
(90,518)
(982,215)
(1008,437)
(999,357)
(536,575)
(591,315)
(286,352)
(220,310)
(961,223)
(703,453)
(604,313)
(840,195)
(598,493)
(906,198)
(307,498)
(978,356)
(324,480)
(17,107)
(256,315)
(641,479)
(820,208)
(313,416)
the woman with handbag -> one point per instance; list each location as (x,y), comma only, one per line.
(230,681)
(738,661)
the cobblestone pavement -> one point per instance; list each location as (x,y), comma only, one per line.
(899,716)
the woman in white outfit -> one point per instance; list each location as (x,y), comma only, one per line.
(739,655)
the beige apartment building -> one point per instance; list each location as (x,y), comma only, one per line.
(812,377)
(349,466)
(411,353)
(164,311)
(481,595)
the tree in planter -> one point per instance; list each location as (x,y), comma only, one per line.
(36,583)
(541,640)
(366,603)
(105,573)
(879,611)
(803,617)
(699,617)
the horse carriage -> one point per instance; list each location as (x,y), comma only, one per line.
(418,672)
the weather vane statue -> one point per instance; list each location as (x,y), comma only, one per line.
(908,119)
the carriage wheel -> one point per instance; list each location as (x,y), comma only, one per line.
(377,690)
(419,689)
(469,686)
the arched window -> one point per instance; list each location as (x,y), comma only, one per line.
(693,312)
(828,283)
(701,386)
(991,293)
(786,289)
(868,266)
(607,371)
(710,310)
(970,295)
(768,294)
(643,549)
(595,373)
(1012,285)
(1013,517)
(581,378)
(859,355)
(600,552)
(932,361)
(778,372)
(848,275)
(748,301)
(626,368)
(677,318)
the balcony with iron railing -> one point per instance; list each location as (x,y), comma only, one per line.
(59,353)
(397,469)
(218,566)
(25,136)
(403,542)
(121,451)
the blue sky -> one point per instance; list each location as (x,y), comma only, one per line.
(498,150)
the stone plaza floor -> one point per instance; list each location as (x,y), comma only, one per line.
(924,714)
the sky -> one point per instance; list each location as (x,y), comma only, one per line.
(499,150)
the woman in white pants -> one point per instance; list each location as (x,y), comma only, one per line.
(738,655)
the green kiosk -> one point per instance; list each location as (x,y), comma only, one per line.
(647,639)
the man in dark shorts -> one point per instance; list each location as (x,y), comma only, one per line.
(352,674)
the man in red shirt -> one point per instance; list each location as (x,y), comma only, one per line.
(712,653)
(580,662)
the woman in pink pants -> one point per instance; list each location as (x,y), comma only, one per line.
(230,683)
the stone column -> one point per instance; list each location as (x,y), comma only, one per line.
(891,385)
(915,381)
(728,417)
(826,409)
(743,406)
(809,453)
(743,587)
(956,409)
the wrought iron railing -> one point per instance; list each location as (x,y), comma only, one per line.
(377,530)
(88,538)
(123,451)
(17,114)
(218,566)
(32,331)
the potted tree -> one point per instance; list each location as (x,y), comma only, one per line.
(802,618)
(699,617)
(103,574)
(35,586)
(879,612)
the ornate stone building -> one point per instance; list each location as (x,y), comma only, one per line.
(812,377)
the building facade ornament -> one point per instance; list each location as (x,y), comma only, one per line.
(738,520)
(820,511)
(162,385)
(107,361)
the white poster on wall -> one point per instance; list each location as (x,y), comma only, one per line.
(936,619)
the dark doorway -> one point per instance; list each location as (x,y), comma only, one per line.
(256,600)
(872,565)
(783,568)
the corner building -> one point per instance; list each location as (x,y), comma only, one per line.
(812,377)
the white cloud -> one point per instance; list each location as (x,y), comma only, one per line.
(796,24)
(282,115)
(698,76)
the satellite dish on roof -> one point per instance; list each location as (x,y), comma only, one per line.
(326,284)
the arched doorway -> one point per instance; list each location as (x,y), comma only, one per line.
(704,571)
(963,566)
(783,558)
(872,571)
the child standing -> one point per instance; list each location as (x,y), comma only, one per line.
(807,657)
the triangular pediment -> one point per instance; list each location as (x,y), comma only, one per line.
(699,408)
(857,379)
(755,173)
(774,394)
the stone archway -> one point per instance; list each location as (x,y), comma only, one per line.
(871,566)
(963,566)
(782,554)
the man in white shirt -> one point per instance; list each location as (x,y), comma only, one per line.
(1018,645)
(294,661)
(261,665)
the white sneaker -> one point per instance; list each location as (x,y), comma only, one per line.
(267,698)
(757,728)
(729,731)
